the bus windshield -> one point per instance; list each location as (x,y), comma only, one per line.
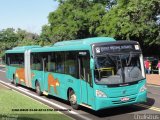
(118,68)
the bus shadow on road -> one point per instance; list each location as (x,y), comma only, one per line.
(119,110)
(58,99)
(150,101)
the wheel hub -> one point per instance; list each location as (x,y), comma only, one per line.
(73,99)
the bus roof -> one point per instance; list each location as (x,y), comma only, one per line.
(81,44)
(21,49)
(87,41)
(64,45)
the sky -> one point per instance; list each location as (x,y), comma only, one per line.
(29,15)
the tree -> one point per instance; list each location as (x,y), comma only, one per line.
(121,19)
(46,36)
(10,38)
(74,19)
(26,38)
(132,19)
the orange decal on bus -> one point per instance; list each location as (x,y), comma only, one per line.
(20,75)
(52,82)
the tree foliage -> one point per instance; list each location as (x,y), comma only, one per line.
(132,19)
(121,19)
(75,19)
(10,38)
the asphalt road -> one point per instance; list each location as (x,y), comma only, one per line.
(132,112)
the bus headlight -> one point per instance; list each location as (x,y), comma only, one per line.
(100,94)
(143,88)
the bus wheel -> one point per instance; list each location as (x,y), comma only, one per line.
(73,100)
(38,89)
(14,82)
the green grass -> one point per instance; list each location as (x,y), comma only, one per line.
(11,100)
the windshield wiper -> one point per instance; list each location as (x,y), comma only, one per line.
(130,58)
(121,68)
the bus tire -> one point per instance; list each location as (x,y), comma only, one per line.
(73,100)
(38,89)
(14,81)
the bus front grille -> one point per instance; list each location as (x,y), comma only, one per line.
(122,102)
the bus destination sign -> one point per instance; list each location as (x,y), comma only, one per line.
(116,48)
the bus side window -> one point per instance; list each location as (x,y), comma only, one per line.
(15,60)
(71,63)
(59,62)
(51,62)
(37,62)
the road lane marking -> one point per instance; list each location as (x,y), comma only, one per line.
(2,71)
(46,101)
(149,107)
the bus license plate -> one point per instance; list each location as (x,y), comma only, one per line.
(124,99)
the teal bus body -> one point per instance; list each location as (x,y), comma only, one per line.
(78,70)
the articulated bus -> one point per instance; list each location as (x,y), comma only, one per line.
(97,73)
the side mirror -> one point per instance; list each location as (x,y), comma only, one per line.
(92,64)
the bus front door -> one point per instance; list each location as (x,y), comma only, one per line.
(85,77)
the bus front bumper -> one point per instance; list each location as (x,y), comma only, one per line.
(103,103)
